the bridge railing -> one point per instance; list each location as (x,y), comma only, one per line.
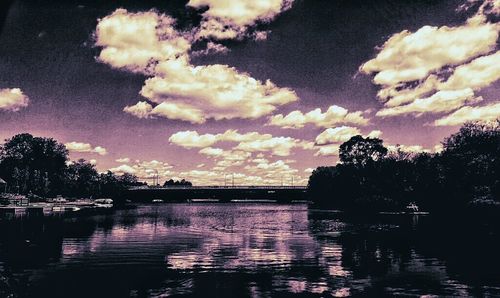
(272,187)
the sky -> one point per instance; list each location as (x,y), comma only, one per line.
(262,90)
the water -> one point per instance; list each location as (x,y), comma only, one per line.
(244,250)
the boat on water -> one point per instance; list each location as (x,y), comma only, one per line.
(157,201)
(103,203)
(411,209)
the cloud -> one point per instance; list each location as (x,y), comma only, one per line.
(226,158)
(334,115)
(441,101)
(479,73)
(342,134)
(211,48)
(328,150)
(408,57)
(209,151)
(248,142)
(135,41)
(85,148)
(308,170)
(123,160)
(192,139)
(231,19)
(280,146)
(337,135)
(149,43)
(145,170)
(212,91)
(12,99)
(142,109)
(123,169)
(413,69)
(485,113)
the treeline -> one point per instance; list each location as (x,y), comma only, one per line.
(172,182)
(465,175)
(41,167)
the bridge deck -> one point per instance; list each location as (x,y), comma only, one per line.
(235,187)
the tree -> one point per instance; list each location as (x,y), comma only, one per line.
(33,164)
(82,179)
(361,151)
(471,161)
(183,182)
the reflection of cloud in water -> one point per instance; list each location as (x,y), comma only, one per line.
(262,249)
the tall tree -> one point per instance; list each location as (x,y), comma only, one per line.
(360,151)
(33,164)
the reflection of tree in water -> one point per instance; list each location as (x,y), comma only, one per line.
(432,258)
(220,250)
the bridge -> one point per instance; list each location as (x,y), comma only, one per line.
(234,193)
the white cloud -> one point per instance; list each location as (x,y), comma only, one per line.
(192,139)
(148,42)
(142,109)
(328,150)
(146,170)
(85,148)
(209,151)
(342,134)
(485,113)
(100,150)
(178,111)
(408,56)
(337,135)
(212,48)
(439,102)
(231,19)
(308,170)
(280,146)
(123,160)
(13,99)
(135,41)
(415,68)
(211,91)
(334,115)
(479,73)
(123,169)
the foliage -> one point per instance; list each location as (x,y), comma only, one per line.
(465,174)
(171,182)
(361,151)
(34,164)
(39,166)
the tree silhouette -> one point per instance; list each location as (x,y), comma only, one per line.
(360,151)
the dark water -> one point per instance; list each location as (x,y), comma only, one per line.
(240,250)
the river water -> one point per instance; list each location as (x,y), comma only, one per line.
(244,250)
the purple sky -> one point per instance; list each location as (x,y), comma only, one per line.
(202,88)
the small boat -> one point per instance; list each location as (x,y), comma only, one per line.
(413,209)
(103,203)
(157,201)
(59,199)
